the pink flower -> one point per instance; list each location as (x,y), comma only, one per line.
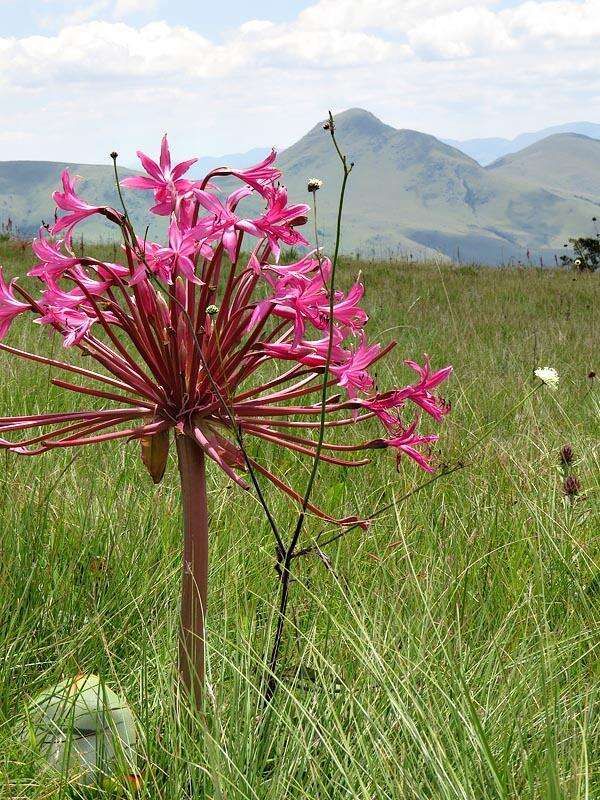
(306,266)
(346,310)
(107,270)
(261,175)
(57,298)
(52,261)
(297,298)
(166,182)
(10,307)
(419,393)
(226,223)
(73,324)
(68,200)
(177,257)
(407,442)
(311,353)
(352,374)
(278,222)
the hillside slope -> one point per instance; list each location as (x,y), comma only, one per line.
(408,193)
(26,189)
(565,162)
(410,189)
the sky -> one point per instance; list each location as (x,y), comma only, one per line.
(79,78)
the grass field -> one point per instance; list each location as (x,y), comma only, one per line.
(451,651)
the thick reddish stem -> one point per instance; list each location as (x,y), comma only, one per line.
(195,567)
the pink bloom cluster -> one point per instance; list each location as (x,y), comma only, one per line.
(187,332)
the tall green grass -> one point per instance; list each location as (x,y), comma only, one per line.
(451,651)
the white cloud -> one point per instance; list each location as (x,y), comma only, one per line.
(454,67)
(472,31)
(565,20)
(104,52)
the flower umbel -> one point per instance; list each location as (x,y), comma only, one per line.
(548,376)
(177,354)
(194,340)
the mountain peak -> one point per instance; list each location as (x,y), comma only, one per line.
(357,116)
(355,122)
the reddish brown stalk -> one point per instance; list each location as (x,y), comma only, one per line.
(300,448)
(111,361)
(195,567)
(72,387)
(166,353)
(127,433)
(288,423)
(42,420)
(139,331)
(71,368)
(288,437)
(112,336)
(142,324)
(85,426)
(294,372)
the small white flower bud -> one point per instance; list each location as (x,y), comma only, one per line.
(314,184)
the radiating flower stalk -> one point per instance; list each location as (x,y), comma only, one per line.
(191,339)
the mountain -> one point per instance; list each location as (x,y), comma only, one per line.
(26,190)
(26,194)
(237,160)
(408,193)
(487,150)
(565,162)
(411,192)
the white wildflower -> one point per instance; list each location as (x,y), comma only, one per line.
(314,184)
(548,376)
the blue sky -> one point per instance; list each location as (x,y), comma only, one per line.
(81,77)
(24,17)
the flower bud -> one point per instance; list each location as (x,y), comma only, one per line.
(180,292)
(147,297)
(155,452)
(163,310)
(566,455)
(182,338)
(571,486)
(212,310)
(314,184)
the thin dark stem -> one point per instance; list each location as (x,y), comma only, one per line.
(194,582)
(285,564)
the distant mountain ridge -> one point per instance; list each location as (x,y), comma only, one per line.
(564,162)
(237,160)
(485,151)
(409,192)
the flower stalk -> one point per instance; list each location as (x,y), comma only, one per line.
(284,566)
(194,579)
